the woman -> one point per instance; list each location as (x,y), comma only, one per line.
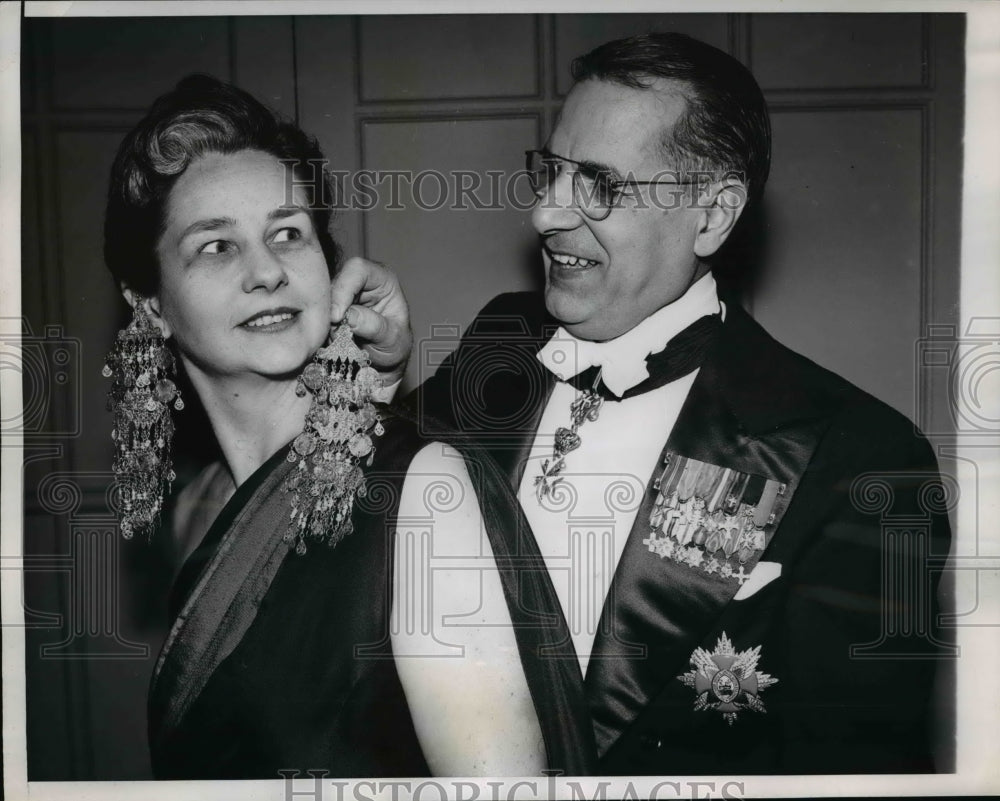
(287,654)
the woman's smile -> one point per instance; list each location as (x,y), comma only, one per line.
(271,322)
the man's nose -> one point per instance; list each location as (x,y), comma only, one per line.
(556,208)
(263,270)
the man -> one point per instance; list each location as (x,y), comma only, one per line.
(711,514)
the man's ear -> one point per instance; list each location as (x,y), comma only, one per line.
(150,305)
(723,202)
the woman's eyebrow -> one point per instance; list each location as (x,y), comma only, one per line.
(289,210)
(211,224)
(216,223)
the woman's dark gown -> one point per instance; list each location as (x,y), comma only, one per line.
(280,662)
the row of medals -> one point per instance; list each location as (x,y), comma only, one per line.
(709,517)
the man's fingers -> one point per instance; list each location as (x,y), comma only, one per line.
(388,345)
(370,297)
(355,276)
(367,324)
(346,285)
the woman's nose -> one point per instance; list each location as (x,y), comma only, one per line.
(263,270)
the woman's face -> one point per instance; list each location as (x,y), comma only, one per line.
(244,286)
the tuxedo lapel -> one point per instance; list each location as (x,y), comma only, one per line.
(661,602)
(512,449)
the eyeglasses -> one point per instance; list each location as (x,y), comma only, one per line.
(596,192)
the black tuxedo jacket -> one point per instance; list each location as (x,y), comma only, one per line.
(848,628)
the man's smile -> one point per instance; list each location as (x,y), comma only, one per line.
(567,260)
(565,263)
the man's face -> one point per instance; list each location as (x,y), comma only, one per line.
(603,278)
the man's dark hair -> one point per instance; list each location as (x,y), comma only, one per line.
(725,128)
(201,115)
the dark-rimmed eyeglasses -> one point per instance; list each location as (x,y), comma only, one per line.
(596,192)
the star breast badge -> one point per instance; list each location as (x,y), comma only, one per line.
(727,680)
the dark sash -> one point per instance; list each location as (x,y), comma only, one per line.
(225,599)
(547,655)
(226,596)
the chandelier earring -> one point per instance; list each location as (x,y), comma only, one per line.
(141,368)
(338,435)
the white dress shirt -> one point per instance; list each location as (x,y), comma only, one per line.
(582,526)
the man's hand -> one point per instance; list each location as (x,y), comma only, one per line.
(370,297)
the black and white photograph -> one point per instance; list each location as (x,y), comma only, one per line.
(491,402)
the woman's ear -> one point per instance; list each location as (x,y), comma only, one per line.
(722,211)
(149,305)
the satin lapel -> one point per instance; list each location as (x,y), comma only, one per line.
(519,448)
(223,603)
(515,407)
(660,606)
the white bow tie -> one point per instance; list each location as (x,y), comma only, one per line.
(622,360)
(621,367)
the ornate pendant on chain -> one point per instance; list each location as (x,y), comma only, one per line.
(587,406)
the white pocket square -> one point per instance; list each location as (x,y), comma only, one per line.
(763,573)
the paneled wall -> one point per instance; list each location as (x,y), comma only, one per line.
(854,253)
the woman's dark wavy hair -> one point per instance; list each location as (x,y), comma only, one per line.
(200,115)
(725,128)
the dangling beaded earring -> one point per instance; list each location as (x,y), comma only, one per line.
(337,436)
(141,367)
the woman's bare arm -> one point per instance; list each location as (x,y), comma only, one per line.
(455,649)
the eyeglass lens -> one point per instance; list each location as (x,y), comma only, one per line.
(593,193)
